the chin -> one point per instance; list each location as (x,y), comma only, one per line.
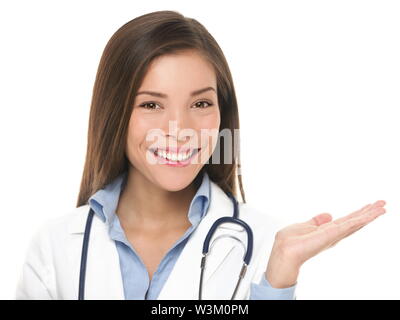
(173,180)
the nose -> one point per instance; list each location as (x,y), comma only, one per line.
(178,125)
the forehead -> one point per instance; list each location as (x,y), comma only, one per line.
(185,70)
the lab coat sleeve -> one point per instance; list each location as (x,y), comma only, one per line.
(35,279)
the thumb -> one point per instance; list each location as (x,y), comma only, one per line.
(320,219)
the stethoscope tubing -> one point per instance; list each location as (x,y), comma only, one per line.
(82,273)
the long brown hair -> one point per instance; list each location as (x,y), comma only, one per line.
(121,70)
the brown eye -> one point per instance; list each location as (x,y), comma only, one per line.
(200,104)
(148,105)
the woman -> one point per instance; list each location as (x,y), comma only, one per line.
(157,175)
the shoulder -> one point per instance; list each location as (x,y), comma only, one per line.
(259,218)
(55,230)
(66,222)
(46,254)
(247,212)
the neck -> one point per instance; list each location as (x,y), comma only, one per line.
(144,205)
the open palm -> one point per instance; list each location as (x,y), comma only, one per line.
(301,241)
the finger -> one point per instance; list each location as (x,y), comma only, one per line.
(373,215)
(336,232)
(363,210)
(319,219)
(363,219)
(334,244)
(353,214)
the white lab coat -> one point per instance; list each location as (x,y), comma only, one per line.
(52,264)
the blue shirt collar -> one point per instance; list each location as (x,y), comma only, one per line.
(105,201)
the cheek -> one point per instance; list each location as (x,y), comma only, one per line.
(208,128)
(208,121)
(136,136)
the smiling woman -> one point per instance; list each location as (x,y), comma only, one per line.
(159,67)
(162,99)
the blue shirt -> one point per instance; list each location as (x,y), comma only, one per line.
(136,281)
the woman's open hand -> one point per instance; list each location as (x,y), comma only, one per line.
(299,242)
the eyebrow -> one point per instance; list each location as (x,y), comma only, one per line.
(163,95)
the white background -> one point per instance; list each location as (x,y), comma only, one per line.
(318,90)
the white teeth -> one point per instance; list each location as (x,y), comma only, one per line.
(174,156)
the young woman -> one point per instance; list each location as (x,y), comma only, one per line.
(156,178)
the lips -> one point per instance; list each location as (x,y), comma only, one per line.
(177,155)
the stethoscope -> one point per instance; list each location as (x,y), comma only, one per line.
(206,246)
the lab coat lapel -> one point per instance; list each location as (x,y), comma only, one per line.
(103,273)
(183,281)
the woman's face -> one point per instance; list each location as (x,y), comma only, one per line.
(167,129)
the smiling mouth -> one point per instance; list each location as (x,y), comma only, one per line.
(175,156)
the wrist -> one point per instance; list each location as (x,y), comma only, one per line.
(281,273)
